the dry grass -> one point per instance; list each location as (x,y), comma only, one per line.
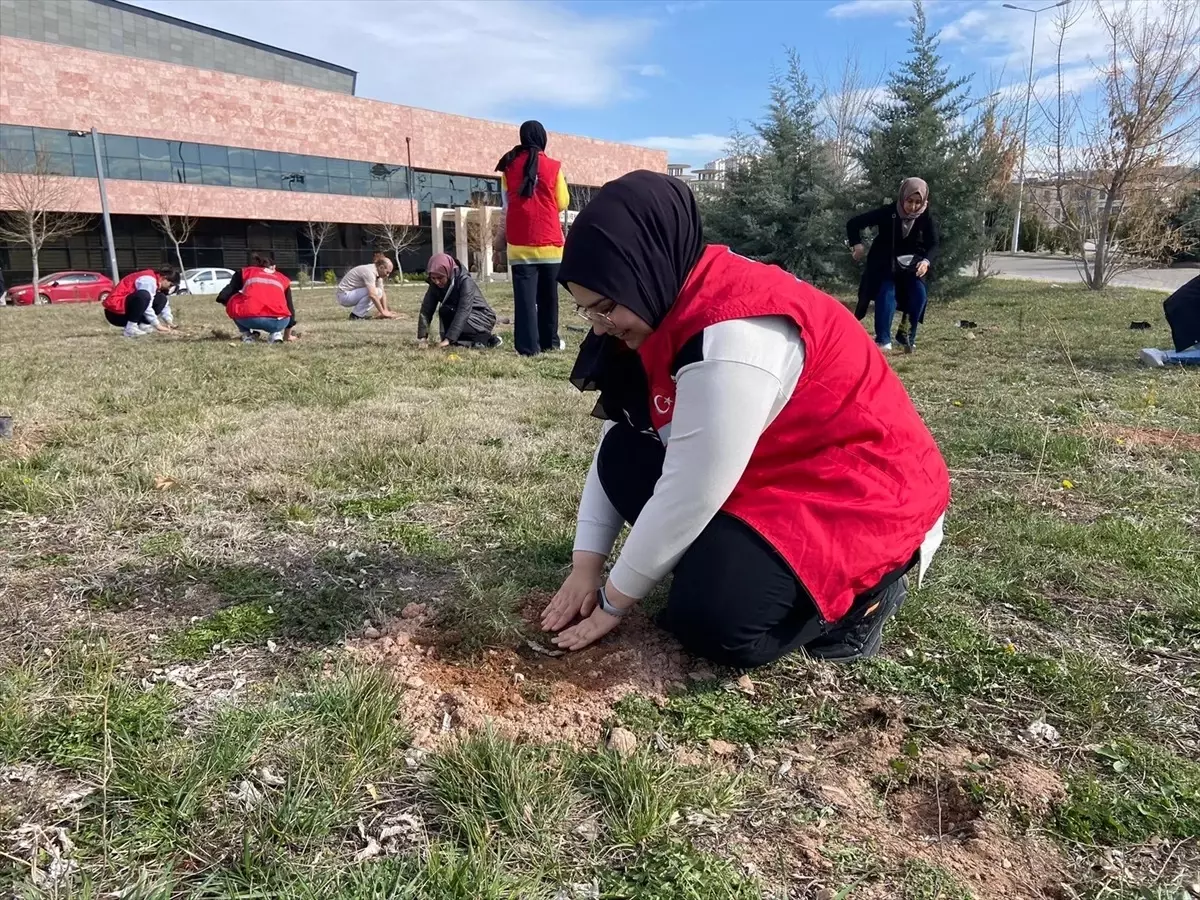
(190,528)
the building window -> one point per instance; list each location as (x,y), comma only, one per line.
(187,162)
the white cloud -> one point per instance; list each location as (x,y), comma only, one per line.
(854,9)
(651,70)
(475,57)
(685,6)
(696,149)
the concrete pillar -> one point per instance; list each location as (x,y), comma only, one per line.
(439,217)
(486,272)
(460,236)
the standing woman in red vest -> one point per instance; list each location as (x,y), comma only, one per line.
(535,193)
(259,298)
(754,436)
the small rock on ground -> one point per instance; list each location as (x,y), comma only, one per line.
(622,741)
(722,748)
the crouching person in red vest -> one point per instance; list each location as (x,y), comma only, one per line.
(258,298)
(754,436)
(139,303)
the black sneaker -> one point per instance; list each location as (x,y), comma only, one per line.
(354,318)
(861,637)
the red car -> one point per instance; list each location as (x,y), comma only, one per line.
(63,287)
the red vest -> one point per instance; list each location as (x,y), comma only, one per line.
(847,481)
(262,295)
(533,221)
(115,301)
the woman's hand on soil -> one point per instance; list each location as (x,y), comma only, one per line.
(577,596)
(922,268)
(591,629)
(857,252)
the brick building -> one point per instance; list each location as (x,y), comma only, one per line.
(252,140)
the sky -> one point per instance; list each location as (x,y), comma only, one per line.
(676,75)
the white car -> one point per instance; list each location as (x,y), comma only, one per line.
(205,281)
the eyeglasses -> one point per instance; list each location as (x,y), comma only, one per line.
(594,316)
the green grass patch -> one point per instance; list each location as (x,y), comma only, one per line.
(676,870)
(925,881)
(703,713)
(1139,791)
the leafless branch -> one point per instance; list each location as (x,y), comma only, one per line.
(389,231)
(32,201)
(317,233)
(845,106)
(173,216)
(1117,163)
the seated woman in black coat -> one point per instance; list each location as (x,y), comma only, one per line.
(466,318)
(897,262)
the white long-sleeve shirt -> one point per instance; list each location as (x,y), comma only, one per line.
(723,403)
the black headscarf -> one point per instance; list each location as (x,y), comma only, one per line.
(635,243)
(533,140)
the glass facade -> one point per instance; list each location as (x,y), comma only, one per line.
(187,162)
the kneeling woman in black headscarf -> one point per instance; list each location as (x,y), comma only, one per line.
(754,436)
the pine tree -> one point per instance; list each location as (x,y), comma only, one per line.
(920,131)
(777,206)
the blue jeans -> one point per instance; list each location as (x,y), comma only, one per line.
(885,307)
(1188,357)
(261,323)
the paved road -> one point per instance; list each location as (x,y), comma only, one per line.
(1063,271)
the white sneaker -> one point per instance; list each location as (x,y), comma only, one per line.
(249,337)
(275,338)
(1153,358)
(884,347)
(134,330)
(499,339)
(562,345)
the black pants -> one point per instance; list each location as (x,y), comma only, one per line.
(136,305)
(535,317)
(733,598)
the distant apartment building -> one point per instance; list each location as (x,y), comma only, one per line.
(1085,193)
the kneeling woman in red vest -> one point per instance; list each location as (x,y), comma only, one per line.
(258,298)
(754,436)
(139,302)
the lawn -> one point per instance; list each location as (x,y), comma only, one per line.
(265,631)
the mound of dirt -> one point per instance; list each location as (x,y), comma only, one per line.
(523,692)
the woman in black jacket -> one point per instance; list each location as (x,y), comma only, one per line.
(466,318)
(897,262)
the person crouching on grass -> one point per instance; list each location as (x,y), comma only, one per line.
(139,303)
(259,298)
(464,315)
(361,289)
(759,444)
(894,276)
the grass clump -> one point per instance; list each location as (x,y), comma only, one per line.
(642,796)
(493,790)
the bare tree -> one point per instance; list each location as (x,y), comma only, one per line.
(317,233)
(997,146)
(391,233)
(173,217)
(1135,144)
(845,107)
(32,201)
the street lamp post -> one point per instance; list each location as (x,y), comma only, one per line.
(108,236)
(1016,235)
